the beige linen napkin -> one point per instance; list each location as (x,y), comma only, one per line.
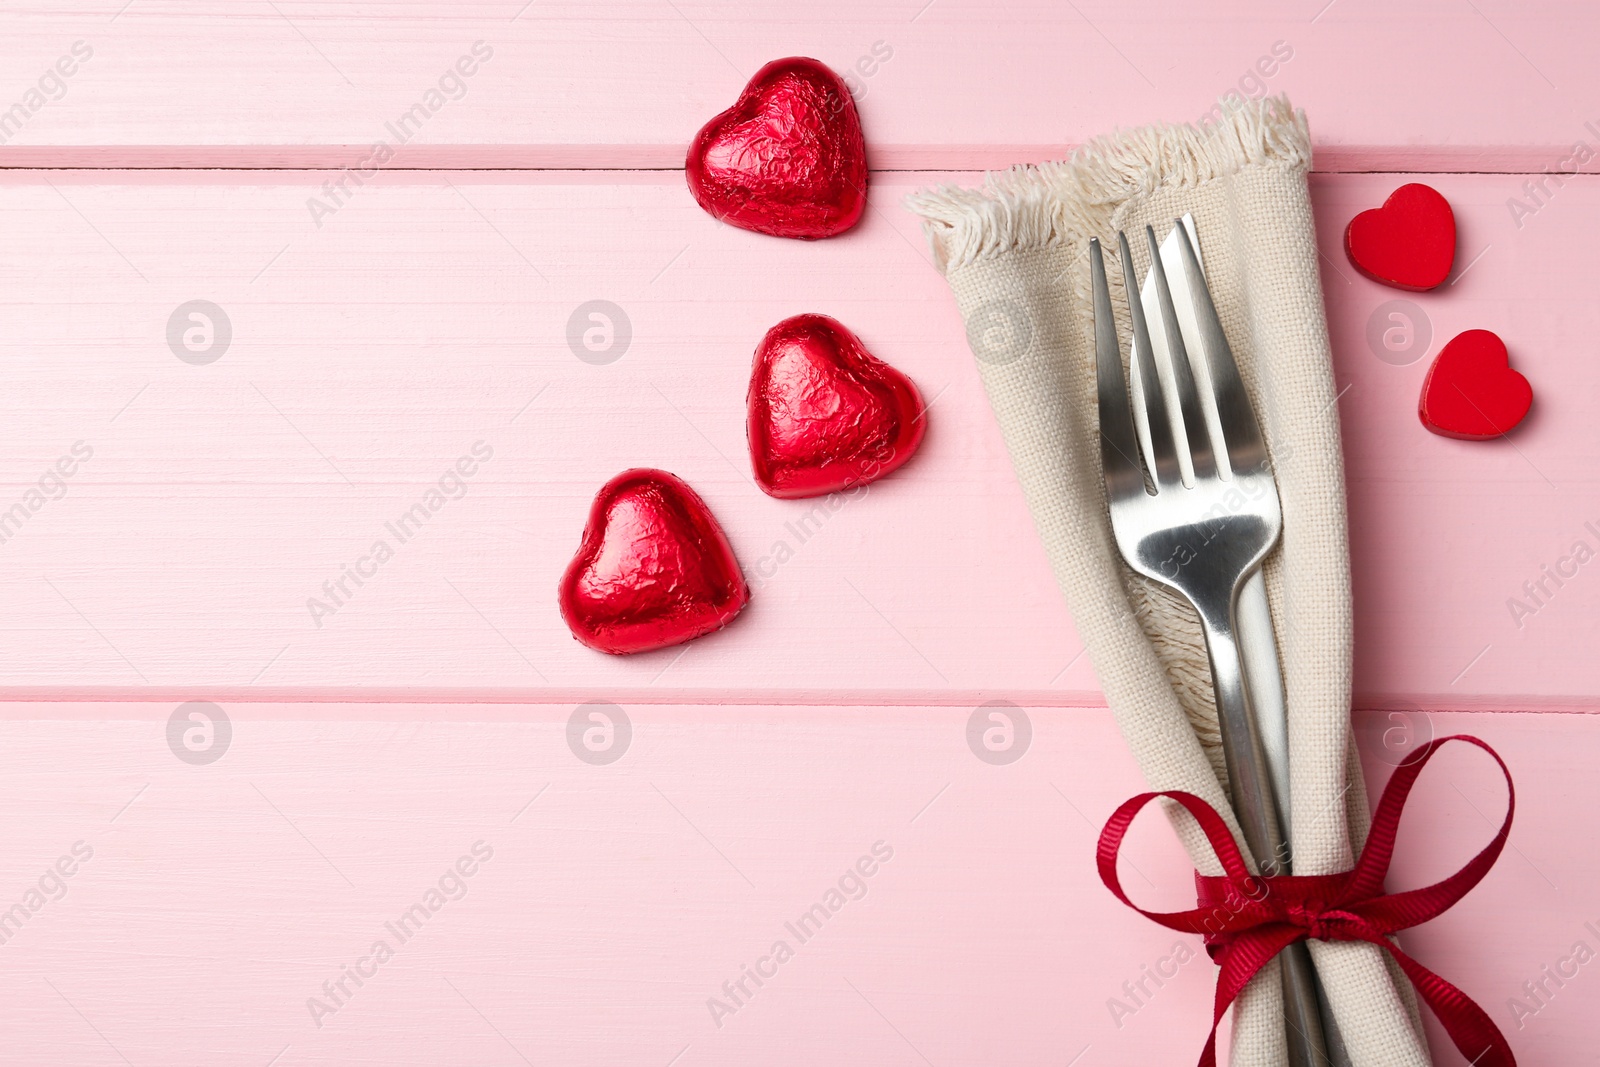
(1015,255)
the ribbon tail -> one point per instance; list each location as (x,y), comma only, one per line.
(1475,1035)
(1237,964)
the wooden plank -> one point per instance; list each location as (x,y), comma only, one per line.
(619,898)
(1330,159)
(1446,534)
(627,82)
(430,313)
(369,355)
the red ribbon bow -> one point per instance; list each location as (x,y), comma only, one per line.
(1246,920)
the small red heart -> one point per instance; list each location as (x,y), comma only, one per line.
(1409,242)
(788,158)
(1471,391)
(824,413)
(654,568)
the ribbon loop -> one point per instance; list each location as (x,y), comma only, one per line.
(1246,920)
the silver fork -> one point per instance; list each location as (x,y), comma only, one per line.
(1202,540)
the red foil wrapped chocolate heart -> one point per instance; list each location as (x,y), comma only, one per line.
(788,158)
(1471,391)
(824,413)
(654,568)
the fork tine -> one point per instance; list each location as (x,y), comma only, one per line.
(1201,454)
(1241,433)
(1163,461)
(1119,451)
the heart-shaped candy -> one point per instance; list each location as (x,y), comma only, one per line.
(824,413)
(787,158)
(1409,242)
(654,568)
(1471,391)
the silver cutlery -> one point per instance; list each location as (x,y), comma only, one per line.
(1202,527)
(1257,643)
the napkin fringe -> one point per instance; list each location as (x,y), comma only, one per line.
(1036,206)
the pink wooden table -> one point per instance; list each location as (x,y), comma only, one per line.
(375,755)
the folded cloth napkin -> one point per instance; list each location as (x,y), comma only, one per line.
(1015,255)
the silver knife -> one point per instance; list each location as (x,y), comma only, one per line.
(1258,643)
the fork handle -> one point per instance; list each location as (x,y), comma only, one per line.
(1253,801)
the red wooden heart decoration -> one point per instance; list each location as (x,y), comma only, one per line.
(1471,391)
(1409,242)
(788,158)
(824,413)
(654,568)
